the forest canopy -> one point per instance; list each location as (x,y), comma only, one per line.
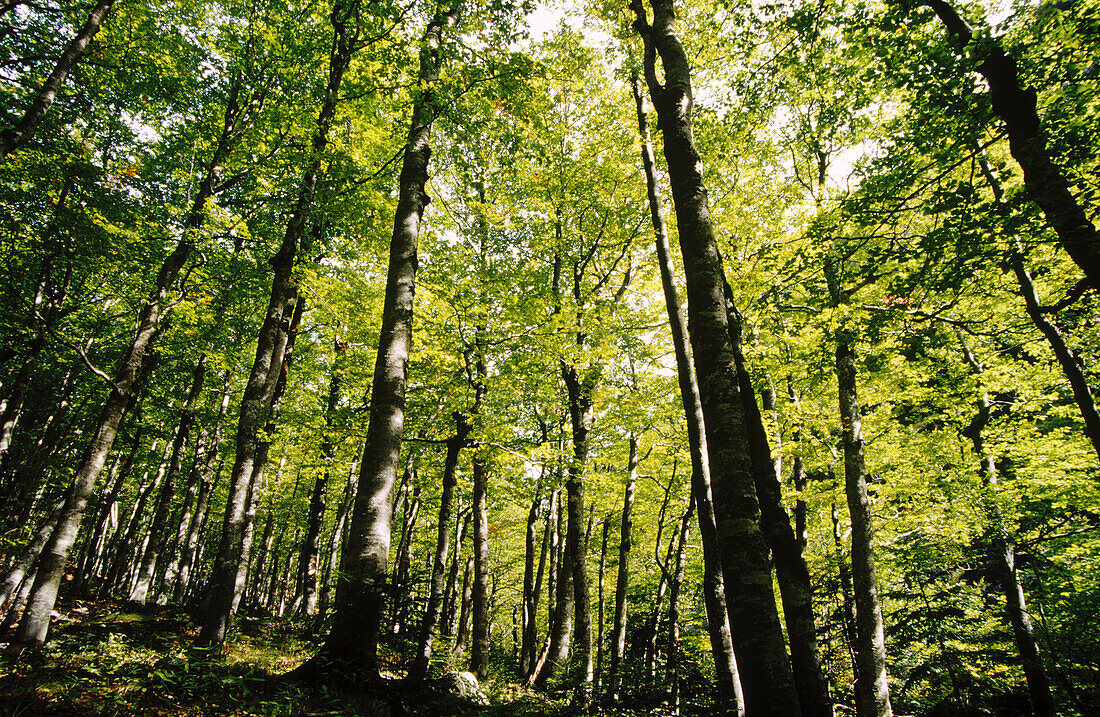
(653,356)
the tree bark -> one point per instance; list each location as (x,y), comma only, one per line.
(1046,183)
(464,608)
(728,684)
(455,443)
(764,670)
(531,586)
(308,567)
(352,644)
(872,689)
(1003,555)
(791,573)
(618,629)
(479,648)
(16,136)
(182,580)
(271,346)
(158,526)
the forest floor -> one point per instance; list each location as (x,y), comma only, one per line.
(105,658)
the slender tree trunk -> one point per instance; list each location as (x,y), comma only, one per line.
(450,602)
(618,629)
(333,562)
(464,609)
(360,593)
(97,543)
(16,136)
(157,527)
(1071,365)
(728,683)
(479,652)
(51,566)
(672,667)
(531,588)
(308,567)
(765,672)
(127,544)
(872,689)
(790,567)
(601,611)
(419,669)
(848,601)
(1046,183)
(183,579)
(24,562)
(1003,555)
(271,347)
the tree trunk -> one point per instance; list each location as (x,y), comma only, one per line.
(790,567)
(271,347)
(728,684)
(51,566)
(455,443)
(672,667)
(618,629)
(1003,555)
(126,545)
(531,585)
(464,609)
(601,611)
(451,599)
(1071,365)
(360,593)
(16,136)
(479,652)
(183,578)
(308,568)
(24,562)
(872,689)
(764,670)
(157,527)
(1046,183)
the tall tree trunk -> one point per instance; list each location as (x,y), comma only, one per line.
(618,629)
(24,562)
(51,565)
(159,524)
(308,568)
(1045,181)
(672,666)
(209,468)
(449,618)
(35,622)
(479,652)
(872,689)
(848,601)
(1003,555)
(271,346)
(1071,365)
(127,544)
(464,608)
(360,593)
(601,610)
(791,573)
(16,136)
(455,443)
(531,589)
(728,681)
(97,542)
(333,562)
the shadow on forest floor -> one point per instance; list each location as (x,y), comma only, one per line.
(109,659)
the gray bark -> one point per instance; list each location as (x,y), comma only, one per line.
(765,672)
(872,688)
(352,644)
(16,136)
